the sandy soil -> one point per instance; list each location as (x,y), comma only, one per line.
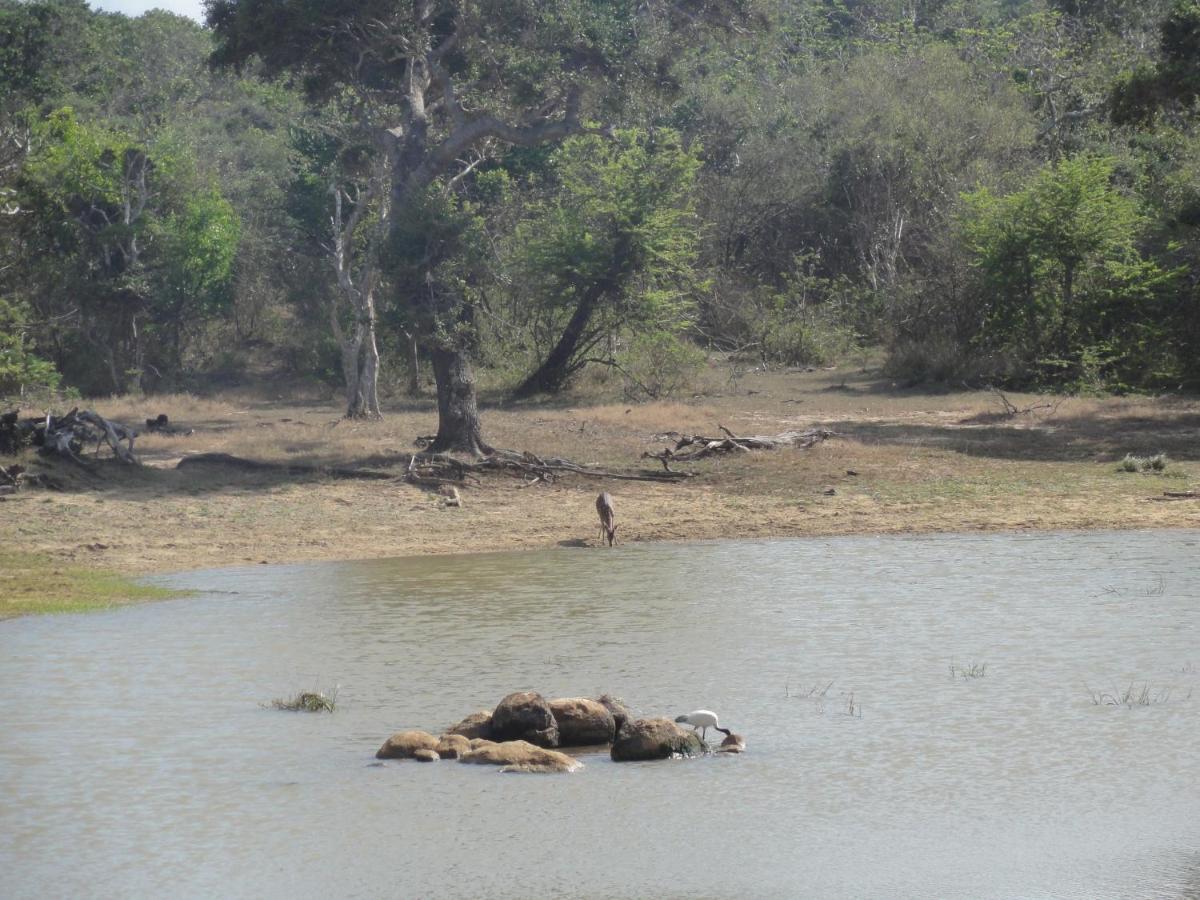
(900,462)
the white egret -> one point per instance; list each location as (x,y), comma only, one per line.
(700,719)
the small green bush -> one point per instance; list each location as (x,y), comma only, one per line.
(658,364)
(22,373)
(1156,463)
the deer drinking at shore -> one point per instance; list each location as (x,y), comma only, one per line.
(608,521)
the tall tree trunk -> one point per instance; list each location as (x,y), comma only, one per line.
(414,363)
(369,380)
(458,415)
(351,348)
(351,351)
(552,374)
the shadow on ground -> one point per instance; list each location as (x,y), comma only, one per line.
(1099,438)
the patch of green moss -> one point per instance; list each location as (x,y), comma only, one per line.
(34,583)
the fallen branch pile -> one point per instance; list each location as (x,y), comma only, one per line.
(10,479)
(689,448)
(534,468)
(68,435)
(1011,410)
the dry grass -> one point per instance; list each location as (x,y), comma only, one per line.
(922,463)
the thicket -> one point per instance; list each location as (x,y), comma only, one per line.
(998,192)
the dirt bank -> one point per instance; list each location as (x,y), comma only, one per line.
(900,462)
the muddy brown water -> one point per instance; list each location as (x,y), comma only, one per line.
(137,760)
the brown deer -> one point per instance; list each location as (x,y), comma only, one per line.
(608,518)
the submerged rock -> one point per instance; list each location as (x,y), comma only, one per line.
(524,716)
(426,755)
(452,746)
(644,739)
(476,725)
(582,722)
(405,744)
(521,756)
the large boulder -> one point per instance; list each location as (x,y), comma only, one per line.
(521,756)
(405,744)
(582,722)
(476,725)
(452,746)
(644,739)
(524,716)
(620,712)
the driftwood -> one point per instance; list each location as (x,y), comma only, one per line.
(112,432)
(692,447)
(529,466)
(68,435)
(1178,495)
(15,433)
(10,479)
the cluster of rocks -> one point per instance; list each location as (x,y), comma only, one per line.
(525,731)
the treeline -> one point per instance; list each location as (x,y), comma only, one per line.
(992,191)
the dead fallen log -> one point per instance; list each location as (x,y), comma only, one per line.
(529,466)
(1177,495)
(68,435)
(692,447)
(116,434)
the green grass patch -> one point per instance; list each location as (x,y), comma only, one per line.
(307,701)
(34,583)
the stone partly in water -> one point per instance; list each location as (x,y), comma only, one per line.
(644,739)
(582,722)
(426,755)
(476,725)
(405,744)
(521,756)
(620,712)
(733,743)
(524,716)
(452,746)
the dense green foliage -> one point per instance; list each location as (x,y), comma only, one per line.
(609,247)
(992,191)
(1065,290)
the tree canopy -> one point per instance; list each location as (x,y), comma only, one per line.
(991,192)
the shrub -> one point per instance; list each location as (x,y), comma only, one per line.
(658,364)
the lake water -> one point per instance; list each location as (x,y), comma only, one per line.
(137,758)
